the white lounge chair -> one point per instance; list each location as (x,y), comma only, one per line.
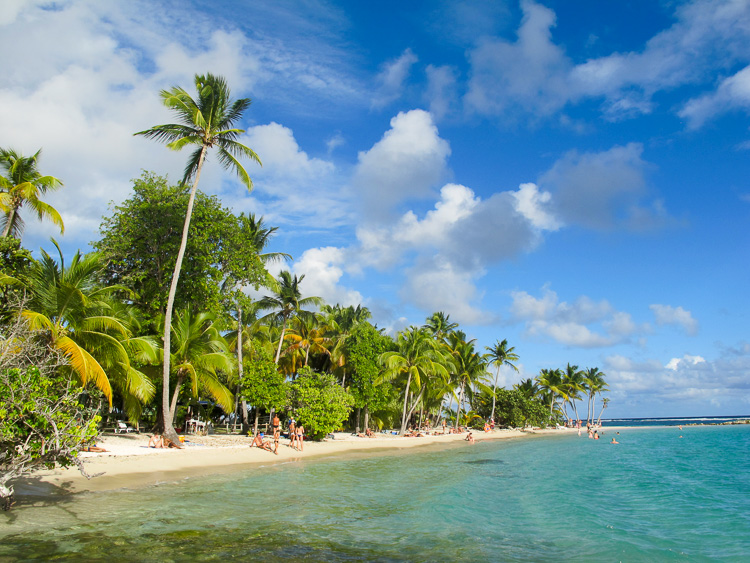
(122,427)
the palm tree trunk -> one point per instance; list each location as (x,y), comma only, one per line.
(255,425)
(494,394)
(240,368)
(173,406)
(281,339)
(169,431)
(10,219)
(406,402)
(460,402)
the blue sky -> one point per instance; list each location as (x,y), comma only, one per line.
(571,176)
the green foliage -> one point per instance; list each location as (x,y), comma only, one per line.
(140,239)
(14,263)
(42,418)
(512,409)
(319,403)
(363,348)
(262,385)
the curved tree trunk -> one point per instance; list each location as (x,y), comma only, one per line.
(494,394)
(406,402)
(240,369)
(169,431)
(10,219)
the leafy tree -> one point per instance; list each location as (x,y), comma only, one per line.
(22,184)
(363,347)
(468,368)
(140,239)
(42,419)
(513,408)
(319,403)
(500,355)
(208,123)
(14,265)
(262,385)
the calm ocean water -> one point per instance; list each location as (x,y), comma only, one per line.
(653,497)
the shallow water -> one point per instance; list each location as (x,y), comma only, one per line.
(653,497)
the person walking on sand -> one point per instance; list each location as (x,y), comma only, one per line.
(300,436)
(276,433)
(292,433)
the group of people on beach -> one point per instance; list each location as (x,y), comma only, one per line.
(296,436)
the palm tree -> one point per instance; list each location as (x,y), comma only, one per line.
(594,383)
(500,355)
(199,354)
(22,185)
(418,359)
(468,368)
(308,334)
(439,325)
(340,322)
(551,382)
(574,383)
(204,123)
(605,403)
(528,388)
(93,330)
(286,303)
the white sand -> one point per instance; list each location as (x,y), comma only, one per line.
(130,463)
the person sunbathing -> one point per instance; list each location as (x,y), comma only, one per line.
(96,449)
(159,441)
(259,442)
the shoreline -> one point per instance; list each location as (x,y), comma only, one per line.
(129,463)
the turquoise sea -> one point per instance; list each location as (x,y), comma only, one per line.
(656,496)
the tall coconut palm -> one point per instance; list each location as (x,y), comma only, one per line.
(528,387)
(550,381)
(286,303)
(467,367)
(308,335)
(416,358)
(439,325)
(22,184)
(340,322)
(82,320)
(605,403)
(573,382)
(594,383)
(205,123)
(199,354)
(500,355)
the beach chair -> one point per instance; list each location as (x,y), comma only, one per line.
(122,427)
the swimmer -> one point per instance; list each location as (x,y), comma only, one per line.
(614,441)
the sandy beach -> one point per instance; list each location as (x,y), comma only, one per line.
(130,463)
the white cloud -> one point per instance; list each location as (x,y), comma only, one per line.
(732,93)
(603,190)
(687,359)
(323,269)
(534,75)
(406,163)
(668,315)
(535,206)
(436,285)
(584,323)
(441,93)
(392,77)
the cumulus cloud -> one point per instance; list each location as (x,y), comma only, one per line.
(437,285)
(392,77)
(293,187)
(323,270)
(583,323)
(668,315)
(603,190)
(405,164)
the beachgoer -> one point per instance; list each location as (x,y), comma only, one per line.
(276,433)
(300,436)
(369,433)
(614,441)
(596,434)
(443,426)
(96,449)
(259,442)
(492,424)
(470,438)
(156,441)
(292,433)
